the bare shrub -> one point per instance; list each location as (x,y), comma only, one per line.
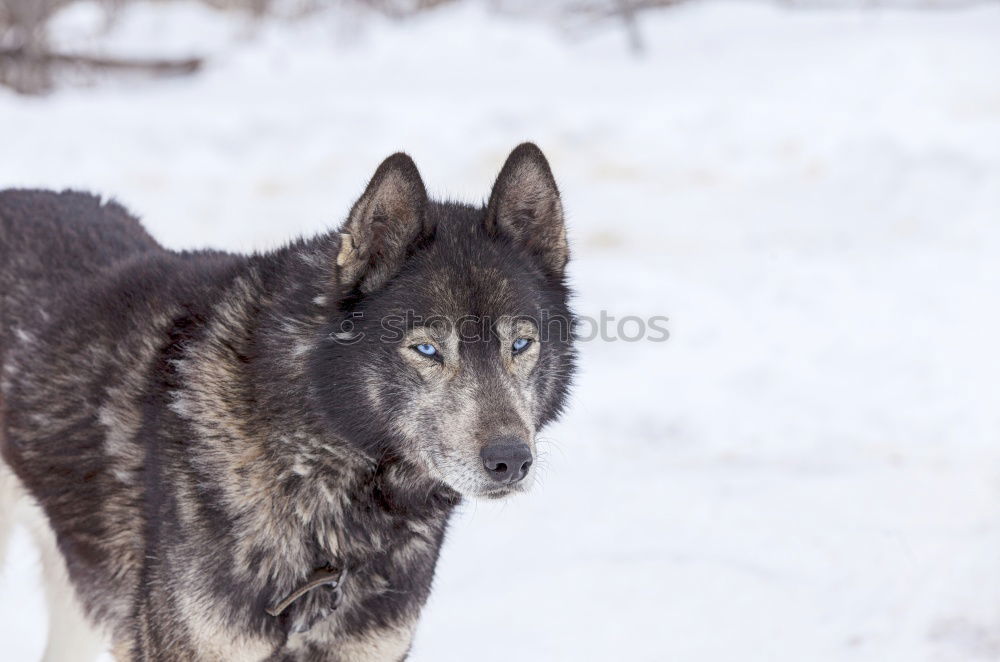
(29,62)
(24,43)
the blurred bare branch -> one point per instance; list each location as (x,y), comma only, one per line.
(401,8)
(255,7)
(617,8)
(28,62)
(626,11)
(23,29)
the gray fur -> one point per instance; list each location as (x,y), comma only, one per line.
(202,433)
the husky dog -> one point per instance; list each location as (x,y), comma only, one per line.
(228,457)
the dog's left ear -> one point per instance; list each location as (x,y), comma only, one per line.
(384,222)
(525,206)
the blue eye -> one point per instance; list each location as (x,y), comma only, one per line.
(426,349)
(520,344)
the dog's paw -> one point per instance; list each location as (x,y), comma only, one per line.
(313,607)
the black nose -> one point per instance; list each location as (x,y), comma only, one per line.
(507,460)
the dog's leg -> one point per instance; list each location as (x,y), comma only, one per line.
(71,637)
(8,495)
(8,506)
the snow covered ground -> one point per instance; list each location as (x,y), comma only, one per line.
(809,469)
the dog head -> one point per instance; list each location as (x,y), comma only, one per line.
(452,343)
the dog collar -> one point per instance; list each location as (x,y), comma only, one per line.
(325,576)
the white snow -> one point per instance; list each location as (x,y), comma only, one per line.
(809,469)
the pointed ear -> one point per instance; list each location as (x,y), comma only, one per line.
(383,223)
(525,206)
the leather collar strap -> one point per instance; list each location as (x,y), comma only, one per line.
(325,576)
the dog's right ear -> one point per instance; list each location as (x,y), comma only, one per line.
(384,222)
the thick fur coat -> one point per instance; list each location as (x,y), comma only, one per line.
(203,430)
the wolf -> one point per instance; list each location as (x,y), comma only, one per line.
(229,457)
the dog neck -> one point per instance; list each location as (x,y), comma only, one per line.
(299,496)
